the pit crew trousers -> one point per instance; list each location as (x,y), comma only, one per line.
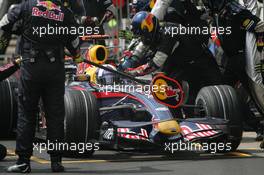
(40,80)
(235,71)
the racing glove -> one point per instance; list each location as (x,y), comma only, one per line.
(129,62)
(124,34)
(78,59)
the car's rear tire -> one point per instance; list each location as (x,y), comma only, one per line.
(81,120)
(3,152)
(223,102)
(8,108)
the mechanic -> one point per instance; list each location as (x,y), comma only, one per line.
(183,57)
(77,6)
(98,12)
(99,8)
(229,13)
(8,69)
(42,76)
(181,12)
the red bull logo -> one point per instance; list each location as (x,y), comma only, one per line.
(49,5)
(170,92)
(47,14)
(148,23)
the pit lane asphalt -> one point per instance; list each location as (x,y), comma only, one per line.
(248,160)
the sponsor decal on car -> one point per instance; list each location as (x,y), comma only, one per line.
(129,134)
(191,131)
(168,92)
(109,134)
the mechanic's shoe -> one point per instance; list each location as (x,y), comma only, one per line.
(260,133)
(262,145)
(56,165)
(259,136)
(19,168)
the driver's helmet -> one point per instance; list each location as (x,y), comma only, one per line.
(105,77)
(215,5)
(146,26)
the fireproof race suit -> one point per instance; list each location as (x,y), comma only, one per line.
(43,76)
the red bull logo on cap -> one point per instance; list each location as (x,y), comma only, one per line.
(49,5)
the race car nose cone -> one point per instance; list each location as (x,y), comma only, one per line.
(169,127)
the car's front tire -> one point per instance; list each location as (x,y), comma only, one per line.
(81,120)
(223,102)
(8,108)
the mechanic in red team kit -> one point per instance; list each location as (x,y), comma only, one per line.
(43,75)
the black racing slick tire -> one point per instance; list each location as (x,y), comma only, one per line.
(8,108)
(81,122)
(3,152)
(223,102)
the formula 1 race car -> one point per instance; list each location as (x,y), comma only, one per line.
(123,115)
(131,120)
(131,116)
